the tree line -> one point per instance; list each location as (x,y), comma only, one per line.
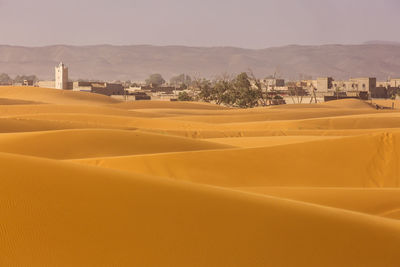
(182,80)
(6,79)
(243,90)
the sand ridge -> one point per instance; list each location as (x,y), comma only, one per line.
(376,201)
(372,162)
(77,211)
(51,96)
(90,143)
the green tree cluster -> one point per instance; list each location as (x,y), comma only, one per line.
(21,78)
(240,91)
(5,78)
(182,80)
(205,89)
(155,80)
(184,96)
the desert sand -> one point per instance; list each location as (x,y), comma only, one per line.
(87,180)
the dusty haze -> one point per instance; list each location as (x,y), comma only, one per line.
(137,62)
(249,24)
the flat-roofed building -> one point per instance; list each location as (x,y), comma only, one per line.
(28,83)
(274,82)
(324,84)
(108,89)
(395,83)
(46,84)
(103,88)
(82,86)
(347,86)
(383,84)
(364,84)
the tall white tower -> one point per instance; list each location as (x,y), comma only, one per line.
(61,76)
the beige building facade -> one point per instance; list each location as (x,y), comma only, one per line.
(363,84)
(395,83)
(46,84)
(324,84)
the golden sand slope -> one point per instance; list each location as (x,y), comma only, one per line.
(365,121)
(210,130)
(63,214)
(30,109)
(121,122)
(265,141)
(90,181)
(72,144)
(269,114)
(14,125)
(362,161)
(387,103)
(9,101)
(348,103)
(376,201)
(339,104)
(168,105)
(53,96)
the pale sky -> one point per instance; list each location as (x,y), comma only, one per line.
(240,23)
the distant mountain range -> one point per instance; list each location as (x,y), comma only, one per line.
(136,62)
(382,42)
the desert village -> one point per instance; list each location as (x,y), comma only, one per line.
(174,133)
(307,91)
(84,170)
(90,180)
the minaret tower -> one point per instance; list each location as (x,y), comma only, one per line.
(61,76)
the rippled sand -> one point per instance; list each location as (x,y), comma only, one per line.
(90,181)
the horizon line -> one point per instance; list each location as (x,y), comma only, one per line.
(372,42)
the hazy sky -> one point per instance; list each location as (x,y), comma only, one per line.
(242,23)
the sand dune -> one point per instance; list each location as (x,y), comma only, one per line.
(167,104)
(342,103)
(273,115)
(354,122)
(52,96)
(348,103)
(71,144)
(361,161)
(90,181)
(76,215)
(285,112)
(376,201)
(231,133)
(388,103)
(170,124)
(12,125)
(15,110)
(121,122)
(10,101)
(266,141)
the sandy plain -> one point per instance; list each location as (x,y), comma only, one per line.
(90,181)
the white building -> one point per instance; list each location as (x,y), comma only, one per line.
(61,76)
